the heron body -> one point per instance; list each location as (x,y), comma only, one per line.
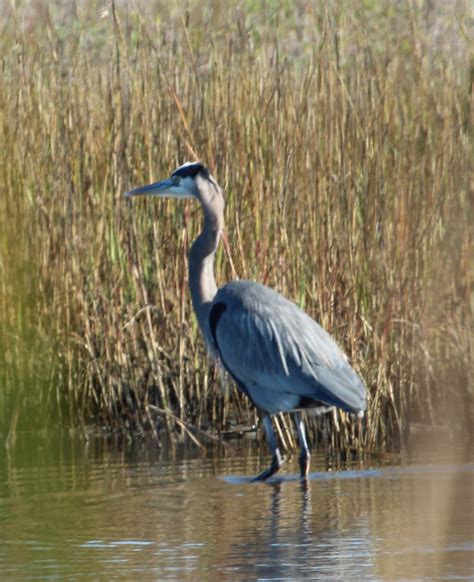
(278,355)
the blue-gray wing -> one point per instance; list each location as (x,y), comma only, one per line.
(282,357)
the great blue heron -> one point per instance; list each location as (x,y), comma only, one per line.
(277,355)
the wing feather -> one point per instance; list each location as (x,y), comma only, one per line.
(281,355)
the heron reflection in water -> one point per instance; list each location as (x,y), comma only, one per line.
(277,355)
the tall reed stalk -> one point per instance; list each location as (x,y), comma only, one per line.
(339,132)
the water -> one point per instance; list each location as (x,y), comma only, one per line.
(71,510)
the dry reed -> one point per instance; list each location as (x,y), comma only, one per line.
(339,133)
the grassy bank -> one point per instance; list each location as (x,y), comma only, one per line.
(339,133)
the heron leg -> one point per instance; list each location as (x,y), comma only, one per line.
(277,460)
(305,457)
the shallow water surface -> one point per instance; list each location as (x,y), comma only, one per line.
(106,510)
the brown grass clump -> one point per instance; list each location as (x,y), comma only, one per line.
(339,133)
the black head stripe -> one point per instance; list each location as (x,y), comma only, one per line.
(191,171)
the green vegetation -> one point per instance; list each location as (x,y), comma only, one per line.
(339,133)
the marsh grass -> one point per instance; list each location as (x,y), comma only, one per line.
(339,132)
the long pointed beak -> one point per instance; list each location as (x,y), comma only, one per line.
(158,188)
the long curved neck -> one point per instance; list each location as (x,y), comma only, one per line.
(202,282)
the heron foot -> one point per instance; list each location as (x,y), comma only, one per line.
(277,462)
(305,459)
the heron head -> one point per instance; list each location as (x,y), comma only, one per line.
(185,182)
